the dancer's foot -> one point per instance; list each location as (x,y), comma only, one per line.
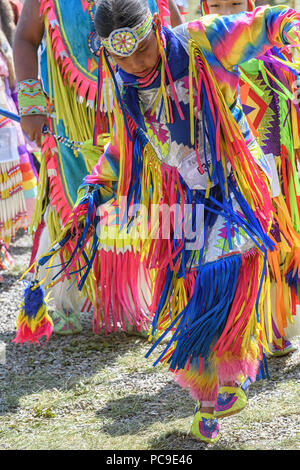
(66,322)
(281,347)
(232,400)
(205,426)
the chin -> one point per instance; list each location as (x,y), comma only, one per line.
(142,74)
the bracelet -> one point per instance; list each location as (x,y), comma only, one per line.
(31,98)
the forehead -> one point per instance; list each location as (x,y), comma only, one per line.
(225,2)
(147,41)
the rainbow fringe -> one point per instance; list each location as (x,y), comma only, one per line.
(33,321)
(197,305)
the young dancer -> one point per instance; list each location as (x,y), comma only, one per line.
(181,144)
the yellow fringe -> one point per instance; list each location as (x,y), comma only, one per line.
(33,323)
(77,117)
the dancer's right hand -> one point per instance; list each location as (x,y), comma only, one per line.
(81,230)
(32,125)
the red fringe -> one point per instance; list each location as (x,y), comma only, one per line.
(85,85)
(238,318)
(25,335)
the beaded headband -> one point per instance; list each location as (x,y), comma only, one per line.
(124,41)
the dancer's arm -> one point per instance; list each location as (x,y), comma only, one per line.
(105,174)
(238,38)
(28,36)
(175,15)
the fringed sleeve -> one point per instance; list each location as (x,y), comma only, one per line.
(238,38)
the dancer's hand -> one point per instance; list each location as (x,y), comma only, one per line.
(80,231)
(32,125)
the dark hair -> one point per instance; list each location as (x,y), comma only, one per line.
(115,14)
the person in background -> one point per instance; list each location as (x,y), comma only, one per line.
(18,179)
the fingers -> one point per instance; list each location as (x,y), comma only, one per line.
(80,229)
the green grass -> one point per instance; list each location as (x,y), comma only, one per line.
(122,402)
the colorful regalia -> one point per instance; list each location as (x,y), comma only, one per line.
(268,94)
(68,71)
(71,60)
(269,97)
(18,179)
(182,149)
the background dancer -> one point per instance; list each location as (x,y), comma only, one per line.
(18,178)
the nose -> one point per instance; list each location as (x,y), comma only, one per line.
(225,10)
(136,63)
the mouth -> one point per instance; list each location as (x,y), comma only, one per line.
(146,73)
(142,74)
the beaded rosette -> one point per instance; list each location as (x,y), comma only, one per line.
(124,41)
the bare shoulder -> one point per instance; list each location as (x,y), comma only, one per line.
(31,23)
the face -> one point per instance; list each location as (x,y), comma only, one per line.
(227,7)
(143,60)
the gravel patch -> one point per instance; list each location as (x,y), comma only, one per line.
(108,380)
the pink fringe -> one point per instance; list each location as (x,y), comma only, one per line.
(233,333)
(85,88)
(230,371)
(118,301)
(207,391)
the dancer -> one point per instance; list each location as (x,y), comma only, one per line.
(18,180)
(180,144)
(56,104)
(267,92)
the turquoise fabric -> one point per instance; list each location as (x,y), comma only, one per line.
(75,24)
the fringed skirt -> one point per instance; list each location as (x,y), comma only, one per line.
(13,213)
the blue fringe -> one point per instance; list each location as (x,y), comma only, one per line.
(33,299)
(293,280)
(203,319)
(263,370)
(94,200)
